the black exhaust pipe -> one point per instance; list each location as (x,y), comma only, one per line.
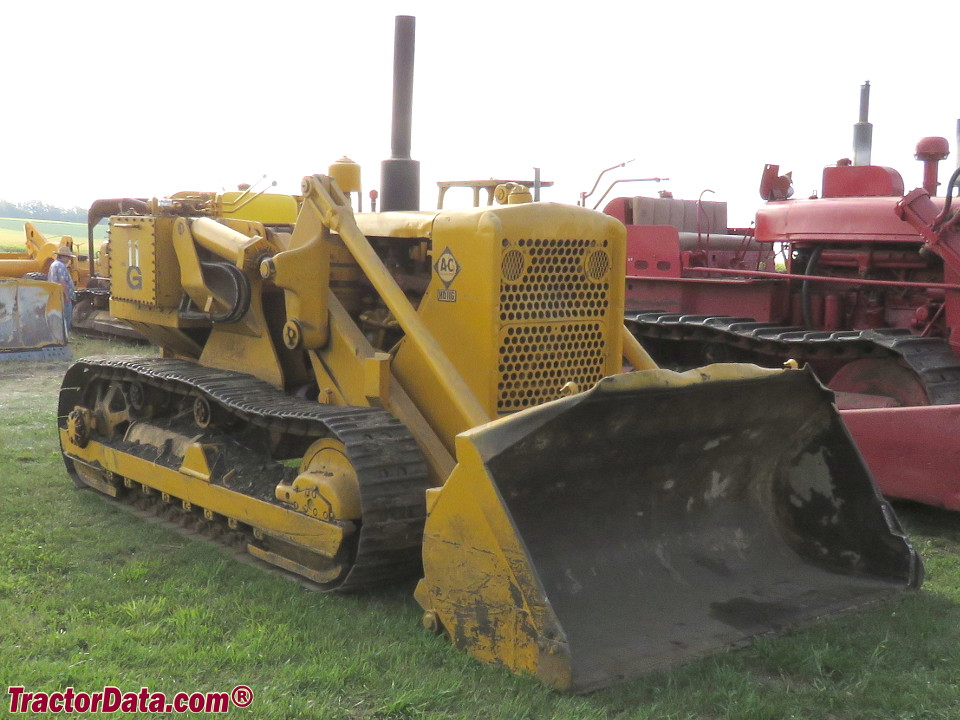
(400,176)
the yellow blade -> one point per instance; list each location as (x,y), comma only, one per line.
(655,519)
(31,318)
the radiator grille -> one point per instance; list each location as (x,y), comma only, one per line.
(553,318)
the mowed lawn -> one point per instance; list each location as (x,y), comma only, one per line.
(93,596)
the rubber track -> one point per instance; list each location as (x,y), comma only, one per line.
(931,359)
(389,465)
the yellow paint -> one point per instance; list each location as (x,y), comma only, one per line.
(479,581)
(496,327)
(196,464)
(324,538)
(303,271)
(143,265)
(264,208)
(326,486)
(40,251)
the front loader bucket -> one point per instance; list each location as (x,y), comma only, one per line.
(31,320)
(655,519)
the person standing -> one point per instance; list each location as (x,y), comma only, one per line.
(59,272)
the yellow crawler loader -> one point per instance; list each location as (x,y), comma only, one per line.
(90,276)
(39,252)
(360,399)
(352,396)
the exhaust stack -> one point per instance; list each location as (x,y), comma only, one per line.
(400,176)
(931,150)
(863,130)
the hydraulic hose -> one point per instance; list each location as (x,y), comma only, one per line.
(229,282)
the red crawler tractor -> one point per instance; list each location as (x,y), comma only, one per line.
(869,297)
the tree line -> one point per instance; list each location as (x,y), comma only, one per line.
(40,210)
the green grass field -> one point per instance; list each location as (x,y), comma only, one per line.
(12,235)
(91,595)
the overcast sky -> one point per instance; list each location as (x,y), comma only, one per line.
(137,98)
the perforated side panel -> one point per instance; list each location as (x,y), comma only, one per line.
(553,318)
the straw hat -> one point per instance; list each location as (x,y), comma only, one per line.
(65,252)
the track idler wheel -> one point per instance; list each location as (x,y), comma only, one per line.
(326,486)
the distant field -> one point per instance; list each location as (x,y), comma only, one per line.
(11,231)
